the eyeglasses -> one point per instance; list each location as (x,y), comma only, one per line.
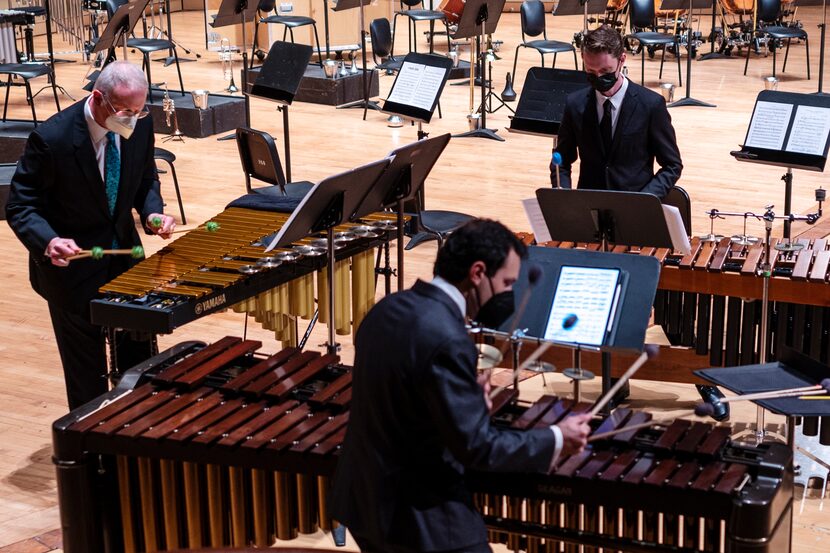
(127,112)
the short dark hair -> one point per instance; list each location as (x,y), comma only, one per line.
(603,40)
(478,240)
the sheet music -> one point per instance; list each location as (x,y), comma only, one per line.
(417,85)
(769,125)
(677,230)
(537,220)
(588,295)
(810,129)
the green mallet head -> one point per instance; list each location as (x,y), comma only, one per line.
(138,252)
(211,226)
(156,221)
(97,252)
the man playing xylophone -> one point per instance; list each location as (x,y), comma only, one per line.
(418,414)
(82,173)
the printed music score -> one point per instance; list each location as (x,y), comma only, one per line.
(810,130)
(536,218)
(768,128)
(589,293)
(417,85)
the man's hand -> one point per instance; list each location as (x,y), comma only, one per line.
(575,432)
(61,248)
(483,379)
(160,224)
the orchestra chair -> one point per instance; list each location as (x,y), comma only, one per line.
(147,46)
(679,198)
(27,71)
(160,154)
(533,25)
(431,224)
(381,35)
(769,12)
(419,14)
(261,161)
(641,16)
(290,22)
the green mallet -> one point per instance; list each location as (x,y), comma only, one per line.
(210,226)
(97,252)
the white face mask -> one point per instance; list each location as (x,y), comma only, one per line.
(122,125)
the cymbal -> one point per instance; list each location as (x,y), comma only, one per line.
(541,367)
(488,356)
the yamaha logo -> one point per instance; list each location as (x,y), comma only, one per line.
(210,304)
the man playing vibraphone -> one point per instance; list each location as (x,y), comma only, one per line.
(418,414)
(82,173)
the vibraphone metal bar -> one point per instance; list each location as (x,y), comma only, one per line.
(204,272)
(708,302)
(212,445)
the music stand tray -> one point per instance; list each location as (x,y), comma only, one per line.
(417,87)
(470,25)
(280,75)
(120,24)
(542,102)
(620,218)
(230,10)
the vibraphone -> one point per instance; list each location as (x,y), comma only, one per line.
(214,445)
(709,303)
(203,272)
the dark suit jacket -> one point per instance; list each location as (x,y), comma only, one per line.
(643,133)
(417,419)
(57,190)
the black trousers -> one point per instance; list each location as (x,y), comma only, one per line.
(367,547)
(83,352)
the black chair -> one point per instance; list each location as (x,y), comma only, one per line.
(769,13)
(261,161)
(381,35)
(641,13)
(169,157)
(419,14)
(533,25)
(147,46)
(290,23)
(679,198)
(27,71)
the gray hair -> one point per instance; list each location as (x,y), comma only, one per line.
(121,73)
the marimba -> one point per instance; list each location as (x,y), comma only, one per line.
(203,272)
(709,303)
(219,446)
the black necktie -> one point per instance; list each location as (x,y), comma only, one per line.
(605,126)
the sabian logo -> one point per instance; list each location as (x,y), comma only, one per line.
(211,303)
(549,489)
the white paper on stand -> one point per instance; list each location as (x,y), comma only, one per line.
(537,220)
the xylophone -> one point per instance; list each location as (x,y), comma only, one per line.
(219,446)
(205,271)
(709,302)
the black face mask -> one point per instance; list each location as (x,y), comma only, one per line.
(496,310)
(604,82)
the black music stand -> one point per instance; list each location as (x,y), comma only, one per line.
(822,43)
(542,102)
(402,181)
(417,87)
(120,25)
(692,5)
(480,17)
(780,135)
(712,55)
(606,217)
(278,81)
(364,103)
(580,7)
(328,204)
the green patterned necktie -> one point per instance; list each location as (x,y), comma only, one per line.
(112,171)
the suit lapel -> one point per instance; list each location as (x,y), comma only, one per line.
(627,109)
(85,156)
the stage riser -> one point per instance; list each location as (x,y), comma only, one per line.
(224,114)
(316,88)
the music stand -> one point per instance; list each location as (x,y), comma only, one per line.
(780,134)
(712,55)
(364,103)
(417,87)
(480,17)
(278,81)
(328,204)
(402,181)
(120,25)
(823,27)
(681,5)
(580,7)
(621,218)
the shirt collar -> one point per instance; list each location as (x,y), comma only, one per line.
(453,292)
(96,132)
(616,99)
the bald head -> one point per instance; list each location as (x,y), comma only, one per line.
(120,88)
(121,75)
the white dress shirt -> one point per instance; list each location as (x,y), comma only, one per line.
(458,299)
(616,104)
(98,135)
